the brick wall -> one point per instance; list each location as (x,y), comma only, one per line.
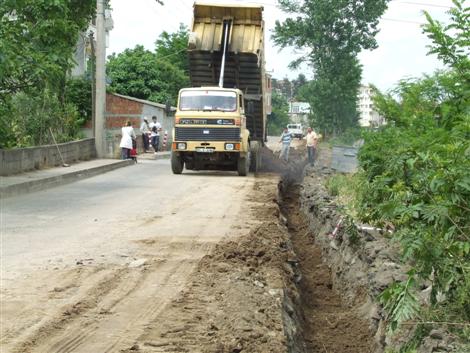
(20,160)
(119,105)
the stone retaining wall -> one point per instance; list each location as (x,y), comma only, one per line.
(20,160)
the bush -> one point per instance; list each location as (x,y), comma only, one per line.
(29,117)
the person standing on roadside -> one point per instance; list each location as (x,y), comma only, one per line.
(127,135)
(155,128)
(312,141)
(285,140)
(145,130)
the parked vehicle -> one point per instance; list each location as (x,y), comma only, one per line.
(296,130)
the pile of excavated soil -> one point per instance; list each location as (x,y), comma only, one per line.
(240,297)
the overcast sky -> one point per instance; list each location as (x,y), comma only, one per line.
(402,45)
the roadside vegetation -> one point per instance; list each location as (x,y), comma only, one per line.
(152,75)
(37,42)
(415,176)
(279,117)
(332,34)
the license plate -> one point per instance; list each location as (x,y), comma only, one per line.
(204,150)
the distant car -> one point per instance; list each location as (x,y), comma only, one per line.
(296,130)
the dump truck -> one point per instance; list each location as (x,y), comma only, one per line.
(220,121)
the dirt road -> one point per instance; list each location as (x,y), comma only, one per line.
(85,267)
(140,260)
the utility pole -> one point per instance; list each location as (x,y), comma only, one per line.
(93,82)
(100,102)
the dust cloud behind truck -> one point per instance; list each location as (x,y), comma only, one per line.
(226,59)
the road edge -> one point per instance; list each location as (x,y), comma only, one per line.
(58,180)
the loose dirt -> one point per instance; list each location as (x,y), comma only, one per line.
(234,301)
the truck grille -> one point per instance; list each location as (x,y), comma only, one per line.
(207,134)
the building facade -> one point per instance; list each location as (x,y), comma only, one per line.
(298,113)
(83,50)
(368,117)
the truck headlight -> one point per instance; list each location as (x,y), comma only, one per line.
(229,146)
(181,145)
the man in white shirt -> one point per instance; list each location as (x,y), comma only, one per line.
(145,130)
(155,128)
(312,141)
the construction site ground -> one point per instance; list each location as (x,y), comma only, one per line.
(200,262)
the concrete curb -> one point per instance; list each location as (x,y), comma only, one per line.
(46,183)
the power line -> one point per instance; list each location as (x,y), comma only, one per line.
(402,21)
(421,4)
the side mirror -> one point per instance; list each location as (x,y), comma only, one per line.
(250,108)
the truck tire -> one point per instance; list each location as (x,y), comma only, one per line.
(176,163)
(243,165)
(189,165)
(255,157)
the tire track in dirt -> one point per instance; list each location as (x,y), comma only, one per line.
(71,312)
(109,320)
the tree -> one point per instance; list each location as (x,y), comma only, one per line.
(333,32)
(37,41)
(279,117)
(138,73)
(297,84)
(172,48)
(156,76)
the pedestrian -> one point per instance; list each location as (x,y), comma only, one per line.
(286,139)
(312,141)
(145,130)
(127,133)
(155,128)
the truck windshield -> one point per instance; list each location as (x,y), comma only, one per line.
(208,100)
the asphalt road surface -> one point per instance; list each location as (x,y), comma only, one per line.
(85,266)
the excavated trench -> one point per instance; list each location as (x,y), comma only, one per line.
(325,321)
(329,324)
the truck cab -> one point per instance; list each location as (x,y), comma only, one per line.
(210,130)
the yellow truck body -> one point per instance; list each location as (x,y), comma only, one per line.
(226,60)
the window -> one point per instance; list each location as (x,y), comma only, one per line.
(225,101)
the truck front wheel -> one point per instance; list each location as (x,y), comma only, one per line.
(176,163)
(243,165)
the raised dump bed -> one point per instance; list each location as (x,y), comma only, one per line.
(244,62)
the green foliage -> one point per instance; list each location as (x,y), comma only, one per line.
(416,177)
(333,33)
(172,48)
(37,41)
(348,138)
(32,116)
(291,89)
(78,93)
(279,117)
(156,76)
(400,302)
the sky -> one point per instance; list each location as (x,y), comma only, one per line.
(402,50)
